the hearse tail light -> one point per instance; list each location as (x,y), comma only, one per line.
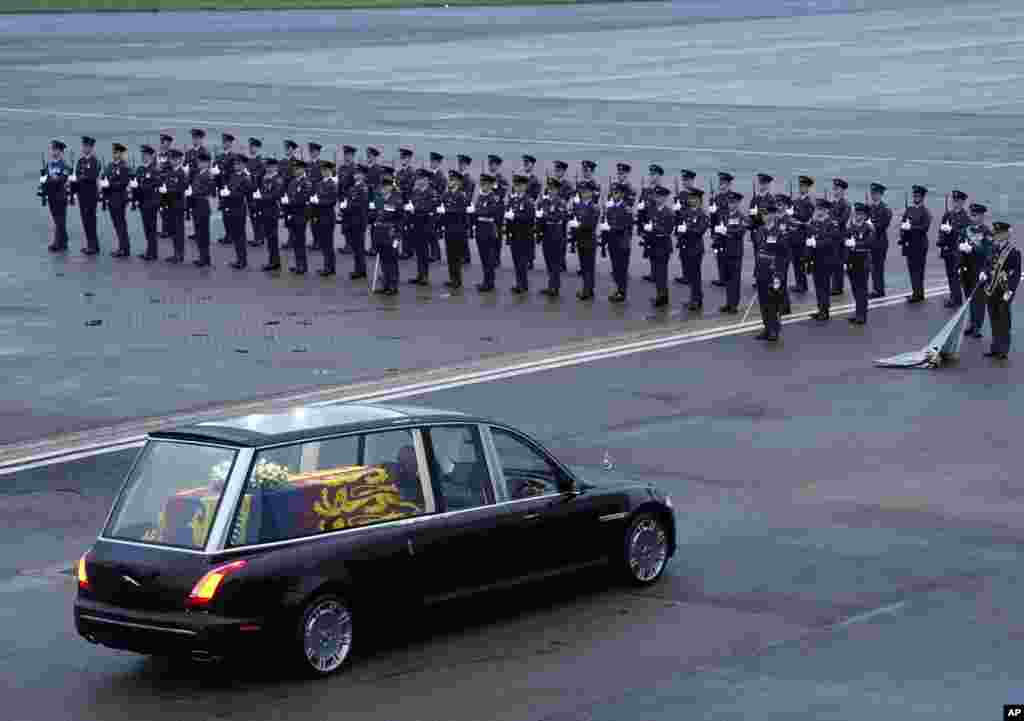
(83,576)
(206,588)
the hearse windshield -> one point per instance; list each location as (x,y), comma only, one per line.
(172,495)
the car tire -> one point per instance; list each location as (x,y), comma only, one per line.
(324,636)
(644,550)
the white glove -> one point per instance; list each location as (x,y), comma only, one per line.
(680,228)
(713,207)
(539,213)
(677,205)
(73,178)
(133,184)
(604,227)
(408,207)
(284,199)
(776,284)
(812,242)
(245,170)
(850,243)
(162,189)
(576,199)
(509,215)
(1007,296)
(610,204)
(720,229)
(753,212)
(945,227)
(790,211)
(215,171)
(440,209)
(343,204)
(103,183)
(574,223)
(42,180)
(869,223)
(982,277)
(257,195)
(649,227)
(470,208)
(965,247)
(224,192)
(188,192)
(314,199)
(373,206)
(641,205)
(185,168)
(905,225)
(394,244)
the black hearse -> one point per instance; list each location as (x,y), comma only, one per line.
(281,529)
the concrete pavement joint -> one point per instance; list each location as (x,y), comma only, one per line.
(20,457)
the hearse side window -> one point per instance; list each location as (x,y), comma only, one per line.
(458,467)
(329,485)
(527,471)
(172,494)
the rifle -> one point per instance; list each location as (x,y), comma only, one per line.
(603,242)
(69,191)
(639,222)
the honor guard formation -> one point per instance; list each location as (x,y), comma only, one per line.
(408,211)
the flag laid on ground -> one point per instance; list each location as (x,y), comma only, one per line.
(944,347)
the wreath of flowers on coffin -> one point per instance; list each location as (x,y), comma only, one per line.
(270,476)
(219,474)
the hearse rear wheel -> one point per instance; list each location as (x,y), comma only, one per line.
(325,635)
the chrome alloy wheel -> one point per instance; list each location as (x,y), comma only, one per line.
(327,635)
(647,550)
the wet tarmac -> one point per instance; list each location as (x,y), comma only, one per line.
(849,535)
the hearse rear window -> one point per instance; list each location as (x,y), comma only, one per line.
(172,494)
(329,485)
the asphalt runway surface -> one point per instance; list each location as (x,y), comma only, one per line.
(849,534)
(849,549)
(839,89)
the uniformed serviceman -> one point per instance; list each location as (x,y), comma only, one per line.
(584,225)
(322,204)
(315,175)
(293,204)
(355,210)
(192,166)
(841,212)
(488,210)
(233,193)
(762,197)
(789,230)
(456,227)
(916,221)
(860,239)
(622,171)
(822,255)
(387,209)
(172,195)
(419,222)
(566,191)
(163,164)
(469,188)
(552,218)
(681,207)
(975,249)
(256,168)
(268,198)
(501,189)
(221,170)
(771,255)
(692,225)
(718,209)
(519,219)
(438,185)
(881,219)
(655,174)
(114,189)
(533,190)
(201,190)
(53,189)
(658,231)
(587,170)
(84,185)
(285,167)
(347,169)
(618,233)
(803,211)
(1001,278)
(405,179)
(954,220)
(728,235)
(145,190)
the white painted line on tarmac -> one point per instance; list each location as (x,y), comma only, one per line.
(868,615)
(475,377)
(164,122)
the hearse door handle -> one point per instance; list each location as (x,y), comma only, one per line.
(530,517)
